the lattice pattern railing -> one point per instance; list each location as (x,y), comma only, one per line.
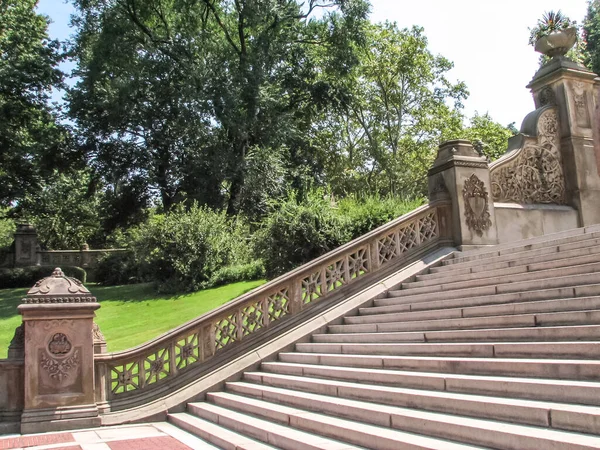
(141,368)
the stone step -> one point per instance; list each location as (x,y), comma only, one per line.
(591,248)
(367,424)
(588,370)
(387,322)
(559,293)
(533,277)
(567,304)
(516,270)
(278,436)
(455,263)
(305,430)
(565,391)
(540,334)
(519,249)
(398,297)
(562,350)
(215,434)
(323,395)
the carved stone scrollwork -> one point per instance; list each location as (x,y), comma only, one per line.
(97,334)
(477,211)
(60,370)
(535,175)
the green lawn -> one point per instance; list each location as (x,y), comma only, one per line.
(130,315)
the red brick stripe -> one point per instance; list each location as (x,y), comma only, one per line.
(32,441)
(151,443)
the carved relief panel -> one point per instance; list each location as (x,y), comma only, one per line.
(535,175)
(477,211)
(59,364)
(581,112)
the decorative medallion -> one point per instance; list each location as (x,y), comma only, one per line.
(547,97)
(535,175)
(477,212)
(59,345)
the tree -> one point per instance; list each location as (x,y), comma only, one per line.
(492,136)
(178,93)
(591,32)
(401,106)
(32,142)
(65,211)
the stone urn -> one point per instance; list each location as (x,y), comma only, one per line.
(557,43)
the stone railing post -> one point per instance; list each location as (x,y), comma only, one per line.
(460,174)
(58,316)
(26,246)
(574,90)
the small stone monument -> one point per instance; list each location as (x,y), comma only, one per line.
(58,316)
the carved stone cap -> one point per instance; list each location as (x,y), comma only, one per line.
(58,288)
(455,153)
(25,228)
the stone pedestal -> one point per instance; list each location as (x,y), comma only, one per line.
(461,174)
(573,90)
(26,246)
(58,315)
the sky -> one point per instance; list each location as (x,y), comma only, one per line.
(486,40)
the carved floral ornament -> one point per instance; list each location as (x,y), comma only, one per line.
(61,362)
(535,174)
(477,211)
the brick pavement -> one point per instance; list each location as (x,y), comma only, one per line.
(152,443)
(155,436)
(35,440)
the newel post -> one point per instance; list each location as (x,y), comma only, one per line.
(58,316)
(575,91)
(462,175)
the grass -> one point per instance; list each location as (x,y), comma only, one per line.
(132,314)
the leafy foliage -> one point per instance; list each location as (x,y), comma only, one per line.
(19,277)
(32,142)
(183,249)
(400,107)
(490,135)
(299,230)
(65,211)
(366,214)
(550,21)
(591,31)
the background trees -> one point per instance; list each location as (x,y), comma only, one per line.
(32,141)
(302,120)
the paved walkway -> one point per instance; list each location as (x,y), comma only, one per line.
(152,436)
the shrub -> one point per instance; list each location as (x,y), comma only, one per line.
(183,249)
(117,268)
(366,214)
(22,277)
(297,231)
(244,272)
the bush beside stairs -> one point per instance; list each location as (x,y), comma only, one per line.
(495,348)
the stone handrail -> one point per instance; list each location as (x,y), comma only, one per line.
(142,369)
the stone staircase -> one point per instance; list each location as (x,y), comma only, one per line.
(497,348)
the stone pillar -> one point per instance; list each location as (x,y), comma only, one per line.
(26,246)
(58,315)
(462,174)
(574,91)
